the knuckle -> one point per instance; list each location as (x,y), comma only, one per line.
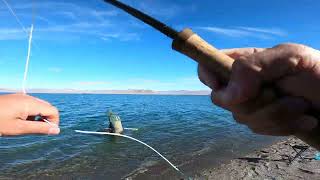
(216,100)
(239,118)
(293,49)
(243,119)
(245,66)
(295,55)
(290,45)
(257,50)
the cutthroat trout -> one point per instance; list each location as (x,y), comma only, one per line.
(115,124)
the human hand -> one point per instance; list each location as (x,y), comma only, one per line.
(292,69)
(17,112)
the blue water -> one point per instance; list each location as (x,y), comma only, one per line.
(181,127)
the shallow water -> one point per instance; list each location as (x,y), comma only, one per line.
(183,128)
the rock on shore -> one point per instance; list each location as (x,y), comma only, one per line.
(270,163)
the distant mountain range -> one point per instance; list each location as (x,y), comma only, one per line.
(129,91)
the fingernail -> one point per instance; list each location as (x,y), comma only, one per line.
(54,131)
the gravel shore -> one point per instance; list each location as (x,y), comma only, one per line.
(271,163)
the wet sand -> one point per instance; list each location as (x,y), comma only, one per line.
(269,163)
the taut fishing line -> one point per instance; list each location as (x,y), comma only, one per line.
(26,69)
(24,82)
(134,139)
(18,20)
(14,14)
(27,62)
(25,75)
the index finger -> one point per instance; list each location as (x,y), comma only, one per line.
(236,53)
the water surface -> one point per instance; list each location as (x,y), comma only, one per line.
(190,131)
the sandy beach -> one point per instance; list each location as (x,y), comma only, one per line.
(274,162)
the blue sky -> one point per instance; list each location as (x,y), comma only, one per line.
(91,45)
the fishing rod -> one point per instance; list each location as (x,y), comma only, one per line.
(193,46)
(186,42)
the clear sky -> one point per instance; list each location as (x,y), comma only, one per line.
(87,44)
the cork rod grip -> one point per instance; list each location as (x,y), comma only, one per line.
(193,46)
(196,48)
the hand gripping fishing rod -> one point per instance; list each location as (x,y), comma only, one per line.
(193,46)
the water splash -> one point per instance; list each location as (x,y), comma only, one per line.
(131,129)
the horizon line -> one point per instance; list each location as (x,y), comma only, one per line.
(127,91)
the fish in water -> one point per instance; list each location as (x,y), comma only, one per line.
(115,125)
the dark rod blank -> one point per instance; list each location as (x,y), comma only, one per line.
(168,31)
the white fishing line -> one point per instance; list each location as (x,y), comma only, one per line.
(18,20)
(50,123)
(29,44)
(25,75)
(14,14)
(125,136)
(27,62)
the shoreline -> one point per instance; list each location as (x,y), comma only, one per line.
(202,160)
(272,162)
(265,161)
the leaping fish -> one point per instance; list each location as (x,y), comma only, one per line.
(115,124)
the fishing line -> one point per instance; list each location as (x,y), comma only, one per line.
(52,124)
(29,41)
(18,20)
(134,139)
(26,70)
(131,129)
(14,14)
(27,62)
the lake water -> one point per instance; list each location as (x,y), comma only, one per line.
(190,131)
